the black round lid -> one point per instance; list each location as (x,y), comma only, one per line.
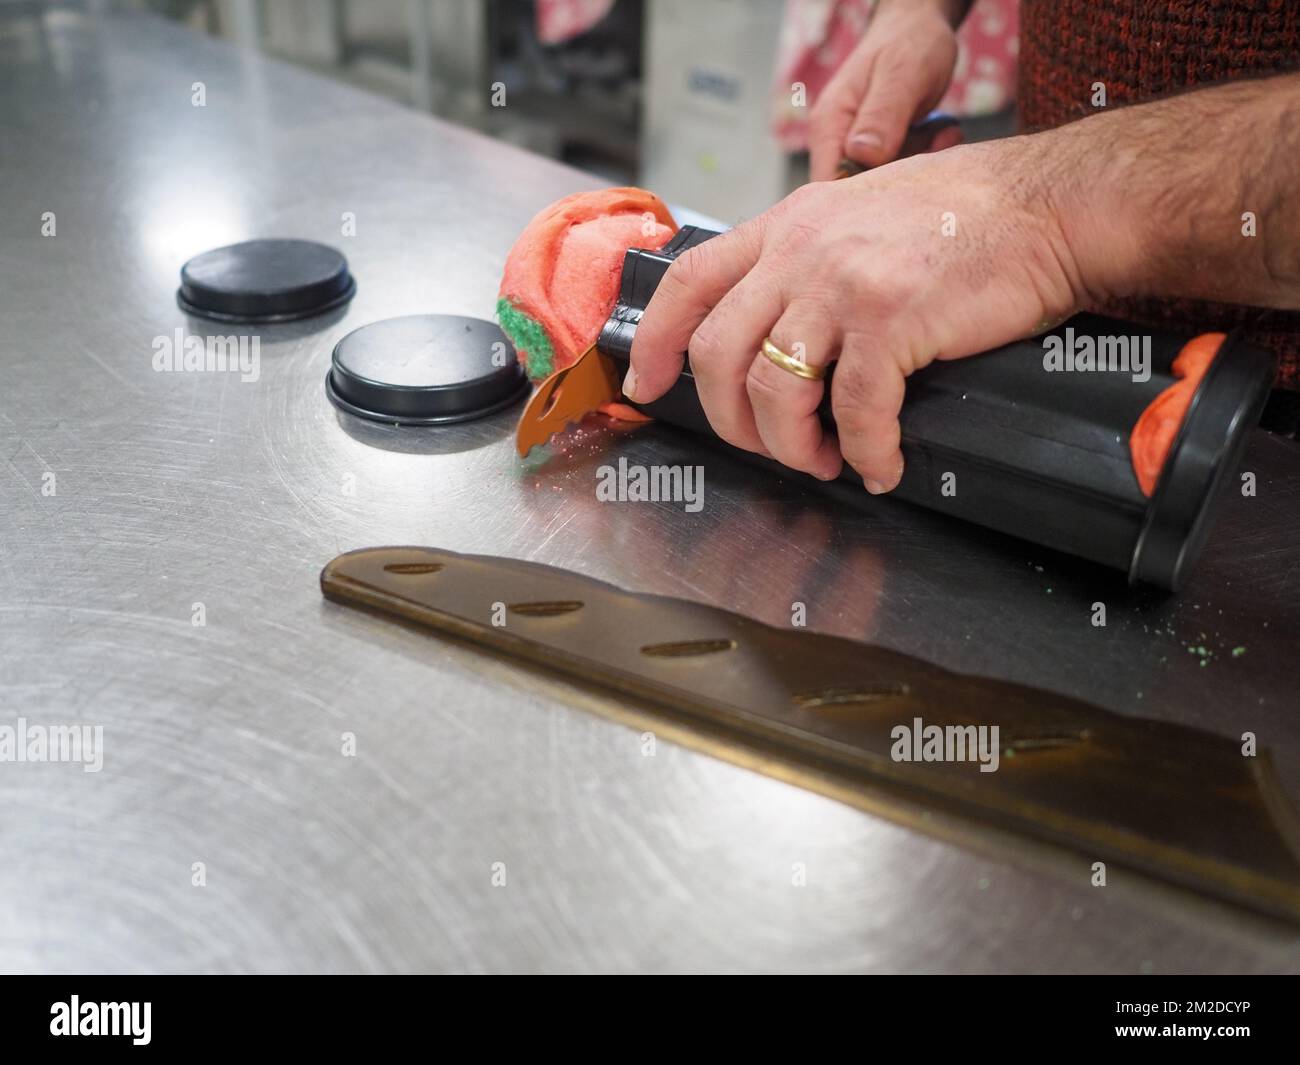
(265,281)
(425,369)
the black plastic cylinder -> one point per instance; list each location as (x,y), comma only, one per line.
(1011,442)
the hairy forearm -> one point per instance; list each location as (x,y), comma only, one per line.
(1197,195)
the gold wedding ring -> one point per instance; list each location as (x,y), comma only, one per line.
(789,363)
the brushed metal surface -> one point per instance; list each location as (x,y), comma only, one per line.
(222,742)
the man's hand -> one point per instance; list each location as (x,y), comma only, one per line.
(897,74)
(933,257)
(945,255)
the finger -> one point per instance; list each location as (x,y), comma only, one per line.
(866,396)
(902,89)
(722,350)
(833,113)
(689,291)
(829,123)
(785,405)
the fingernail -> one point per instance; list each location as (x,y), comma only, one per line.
(868,141)
(629,384)
(874,487)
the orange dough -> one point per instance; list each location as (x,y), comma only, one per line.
(562,275)
(1154,433)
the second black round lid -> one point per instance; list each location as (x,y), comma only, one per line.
(276,280)
(425,369)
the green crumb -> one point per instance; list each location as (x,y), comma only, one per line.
(529,338)
(1049,591)
(1237,652)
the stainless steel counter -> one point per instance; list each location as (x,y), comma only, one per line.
(223,741)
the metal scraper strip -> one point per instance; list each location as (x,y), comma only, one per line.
(1173,802)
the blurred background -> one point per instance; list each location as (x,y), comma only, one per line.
(703,101)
